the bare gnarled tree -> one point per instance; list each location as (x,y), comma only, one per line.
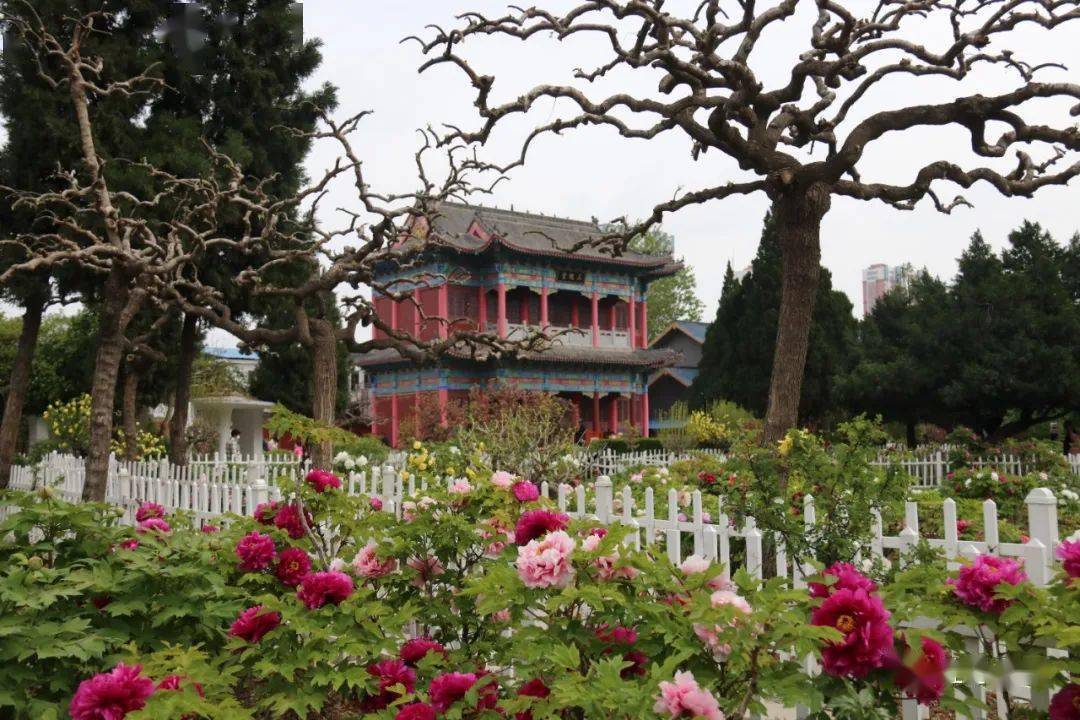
(804,139)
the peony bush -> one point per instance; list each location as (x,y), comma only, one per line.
(478,599)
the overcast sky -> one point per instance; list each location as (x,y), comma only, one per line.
(595,173)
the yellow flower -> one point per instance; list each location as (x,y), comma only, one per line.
(404,474)
(784,445)
(417,445)
(450,471)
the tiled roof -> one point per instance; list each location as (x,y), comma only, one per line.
(535,235)
(683,375)
(645,359)
(695,330)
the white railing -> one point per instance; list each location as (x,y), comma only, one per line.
(929,471)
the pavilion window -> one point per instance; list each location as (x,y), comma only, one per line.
(513,308)
(559,310)
(461,303)
(492,308)
(622,316)
(532,304)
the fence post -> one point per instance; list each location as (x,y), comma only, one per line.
(604,499)
(260,491)
(1043,521)
(753,548)
(388,488)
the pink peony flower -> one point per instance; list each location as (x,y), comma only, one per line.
(367,562)
(534,523)
(525,491)
(111,695)
(448,688)
(153,525)
(976,583)
(416,649)
(254,623)
(546,562)
(293,566)
(846,577)
(502,479)
(923,677)
(1065,705)
(320,588)
(608,567)
(255,551)
(288,519)
(391,674)
(265,512)
(129,544)
(209,529)
(416,711)
(1069,554)
(535,689)
(696,564)
(149,510)
(376,504)
(863,621)
(684,698)
(427,569)
(710,636)
(962,526)
(322,480)
(460,487)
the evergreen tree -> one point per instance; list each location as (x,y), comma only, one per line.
(737,356)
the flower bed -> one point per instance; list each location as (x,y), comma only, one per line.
(482,600)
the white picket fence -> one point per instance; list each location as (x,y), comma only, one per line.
(676,524)
(929,470)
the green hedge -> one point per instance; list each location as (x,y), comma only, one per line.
(625,446)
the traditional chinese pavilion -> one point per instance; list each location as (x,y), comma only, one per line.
(508,272)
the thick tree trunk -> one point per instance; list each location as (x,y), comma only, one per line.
(324,385)
(189,345)
(130,409)
(110,352)
(20,384)
(798,223)
(912,440)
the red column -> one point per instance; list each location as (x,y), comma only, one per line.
(417,302)
(444,310)
(481,304)
(393,313)
(501,290)
(525,319)
(544,307)
(644,324)
(596,415)
(613,314)
(615,414)
(444,398)
(595,320)
(645,413)
(575,320)
(394,420)
(633,320)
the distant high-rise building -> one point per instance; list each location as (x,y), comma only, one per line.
(879,279)
(740,274)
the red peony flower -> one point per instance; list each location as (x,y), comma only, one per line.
(536,523)
(638,660)
(175,682)
(416,711)
(254,623)
(416,649)
(706,477)
(265,512)
(153,525)
(320,588)
(617,635)
(923,677)
(209,529)
(448,688)
(376,504)
(1069,554)
(863,620)
(975,584)
(534,688)
(322,480)
(391,673)
(149,510)
(288,519)
(111,695)
(293,566)
(255,551)
(129,544)
(525,491)
(1065,705)
(846,577)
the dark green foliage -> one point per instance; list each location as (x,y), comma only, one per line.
(283,375)
(737,357)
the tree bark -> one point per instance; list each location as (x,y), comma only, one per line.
(20,384)
(110,352)
(798,217)
(912,440)
(189,345)
(130,409)
(324,385)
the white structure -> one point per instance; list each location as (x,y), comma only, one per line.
(879,279)
(242,364)
(235,412)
